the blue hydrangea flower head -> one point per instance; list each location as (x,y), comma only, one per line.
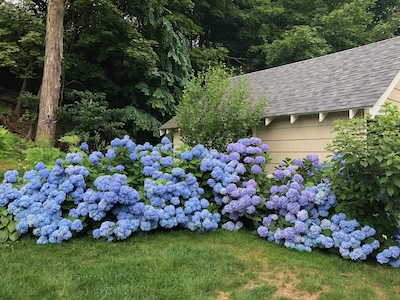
(39,166)
(11,176)
(85,146)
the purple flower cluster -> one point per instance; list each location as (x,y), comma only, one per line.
(243,199)
(299,219)
(11,176)
(8,193)
(232,177)
(232,226)
(174,199)
(295,213)
(251,153)
(111,190)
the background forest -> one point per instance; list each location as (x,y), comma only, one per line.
(126,62)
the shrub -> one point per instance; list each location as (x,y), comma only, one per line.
(365,171)
(42,151)
(90,114)
(303,218)
(132,189)
(216,110)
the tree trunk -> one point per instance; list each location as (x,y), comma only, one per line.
(30,132)
(18,107)
(51,83)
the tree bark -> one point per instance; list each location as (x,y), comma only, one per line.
(51,82)
(18,107)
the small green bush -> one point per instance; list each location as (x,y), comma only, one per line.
(216,109)
(43,152)
(89,114)
(365,171)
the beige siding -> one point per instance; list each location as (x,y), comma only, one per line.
(177,142)
(305,136)
(394,96)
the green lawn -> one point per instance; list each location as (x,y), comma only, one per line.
(184,265)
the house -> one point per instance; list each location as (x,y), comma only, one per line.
(306,97)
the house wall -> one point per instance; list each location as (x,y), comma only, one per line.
(305,136)
(177,141)
(394,96)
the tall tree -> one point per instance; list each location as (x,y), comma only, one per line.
(137,52)
(51,84)
(21,43)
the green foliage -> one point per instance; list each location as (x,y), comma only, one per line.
(5,111)
(11,148)
(7,141)
(203,57)
(22,38)
(350,25)
(71,140)
(137,53)
(139,120)
(88,114)
(216,109)
(141,53)
(365,170)
(7,227)
(29,100)
(44,152)
(30,103)
(299,43)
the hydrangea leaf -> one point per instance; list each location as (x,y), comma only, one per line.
(3,235)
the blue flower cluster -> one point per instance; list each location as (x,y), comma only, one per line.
(54,203)
(171,197)
(390,256)
(37,205)
(138,188)
(232,178)
(295,211)
(299,218)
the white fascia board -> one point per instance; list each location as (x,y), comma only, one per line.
(367,110)
(375,109)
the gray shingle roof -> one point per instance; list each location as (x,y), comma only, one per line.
(349,79)
(171,124)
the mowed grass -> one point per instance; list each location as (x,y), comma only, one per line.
(185,265)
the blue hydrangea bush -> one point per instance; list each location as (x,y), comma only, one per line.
(131,189)
(301,215)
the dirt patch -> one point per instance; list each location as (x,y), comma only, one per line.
(12,123)
(223,296)
(286,287)
(379,293)
(285,282)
